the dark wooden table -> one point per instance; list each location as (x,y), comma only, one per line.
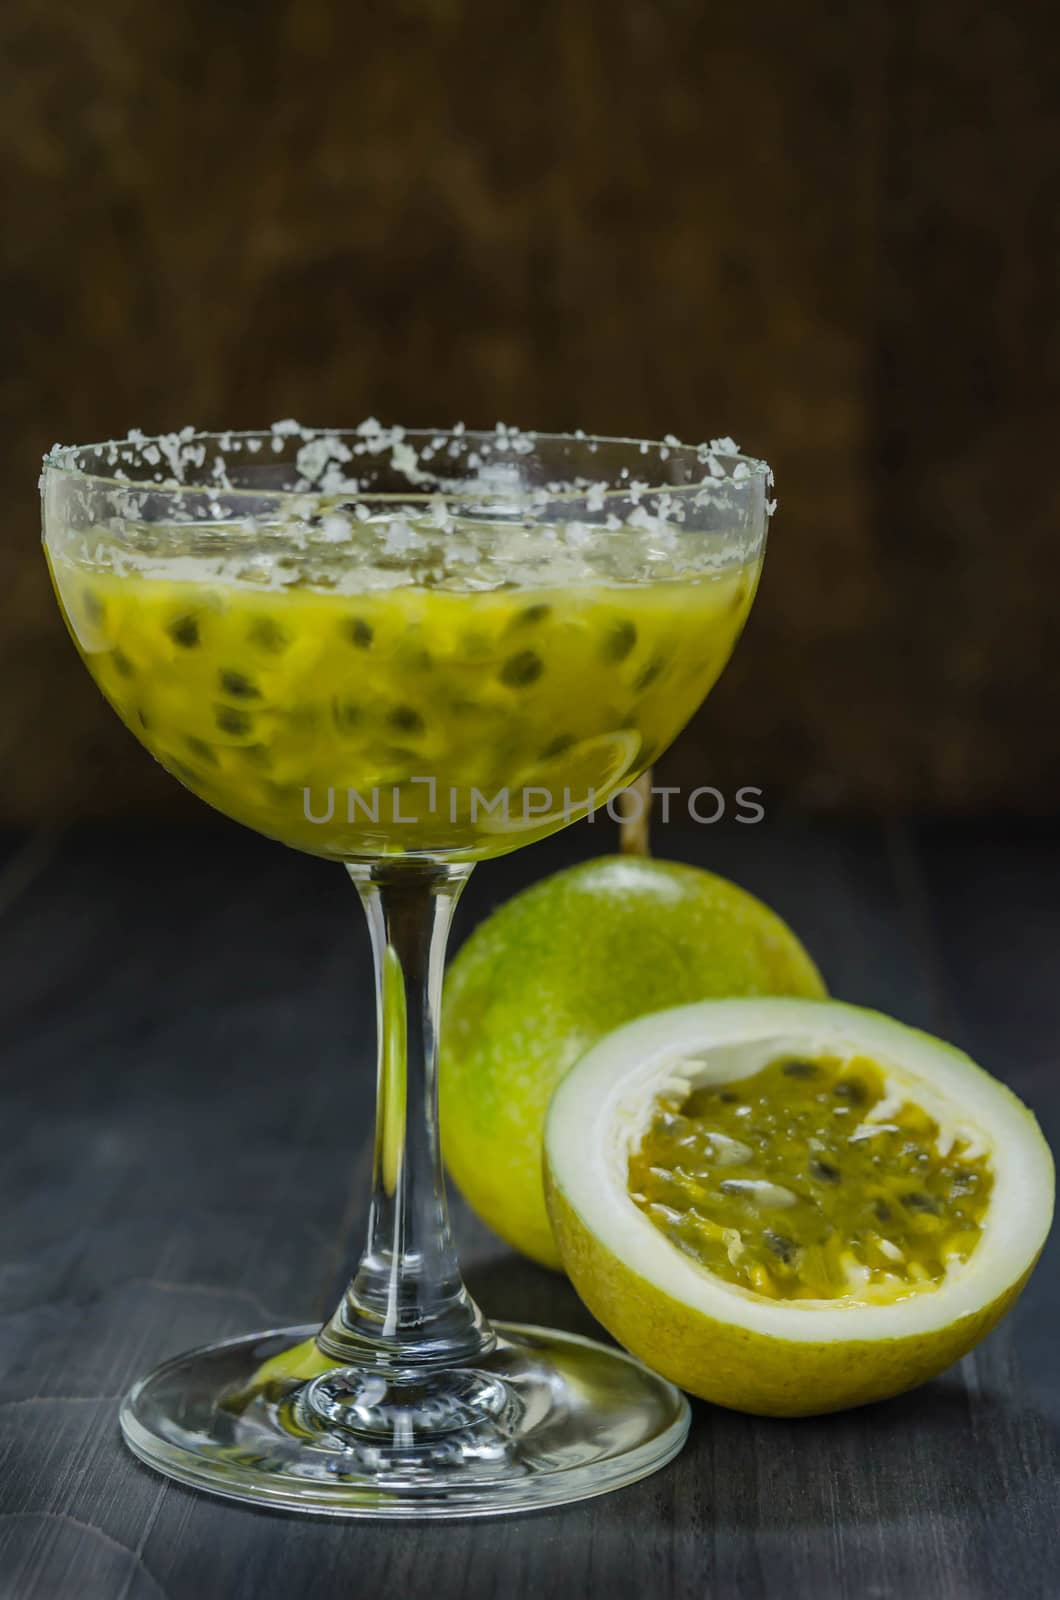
(187,1035)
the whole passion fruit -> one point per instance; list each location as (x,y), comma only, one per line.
(551,972)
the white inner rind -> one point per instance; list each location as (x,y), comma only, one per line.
(602,1109)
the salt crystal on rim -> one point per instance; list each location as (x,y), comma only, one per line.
(441,516)
(399,538)
(336,529)
(314,456)
(403,458)
(322,453)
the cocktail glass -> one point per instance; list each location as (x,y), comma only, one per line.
(406,651)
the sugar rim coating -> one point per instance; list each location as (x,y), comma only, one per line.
(725,466)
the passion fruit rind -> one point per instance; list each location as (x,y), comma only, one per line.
(726,1343)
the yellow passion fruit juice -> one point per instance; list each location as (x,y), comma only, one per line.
(363,703)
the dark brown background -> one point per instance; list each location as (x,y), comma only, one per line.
(833,232)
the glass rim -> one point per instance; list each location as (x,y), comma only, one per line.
(63,460)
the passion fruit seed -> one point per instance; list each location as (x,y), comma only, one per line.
(530,615)
(202,749)
(406,719)
(238,685)
(256,755)
(359,632)
(884,1204)
(619,641)
(185,632)
(267,635)
(647,677)
(231,721)
(181,769)
(522,669)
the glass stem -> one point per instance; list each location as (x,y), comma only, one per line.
(406,1309)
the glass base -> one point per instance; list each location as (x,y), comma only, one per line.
(545,1418)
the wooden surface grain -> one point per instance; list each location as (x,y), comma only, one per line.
(186,1029)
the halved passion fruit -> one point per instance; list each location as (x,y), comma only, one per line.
(792,1206)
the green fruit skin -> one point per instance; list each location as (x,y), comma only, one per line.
(555,969)
(745,1371)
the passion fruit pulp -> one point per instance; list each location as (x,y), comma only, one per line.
(807,1180)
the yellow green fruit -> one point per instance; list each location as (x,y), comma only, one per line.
(551,972)
(751,1351)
